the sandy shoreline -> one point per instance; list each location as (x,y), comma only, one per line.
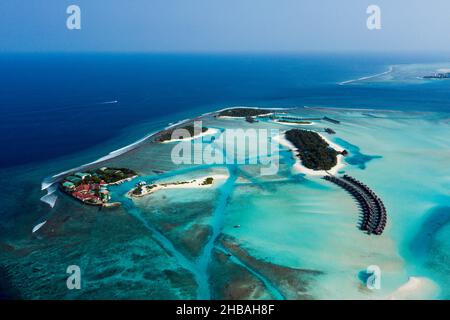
(209,132)
(307,123)
(299,168)
(416,288)
(232,117)
(196,183)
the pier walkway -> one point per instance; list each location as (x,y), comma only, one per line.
(374,212)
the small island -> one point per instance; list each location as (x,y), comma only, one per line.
(439,74)
(90,187)
(294,122)
(287,119)
(243,112)
(313,150)
(166,135)
(142,188)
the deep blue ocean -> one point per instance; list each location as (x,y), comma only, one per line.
(54,106)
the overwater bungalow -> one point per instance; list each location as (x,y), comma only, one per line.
(373,210)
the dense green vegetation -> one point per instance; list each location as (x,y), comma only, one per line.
(296,121)
(166,135)
(137,191)
(243,112)
(109,175)
(207,181)
(314,151)
(141,188)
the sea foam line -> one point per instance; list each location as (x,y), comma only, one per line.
(391,68)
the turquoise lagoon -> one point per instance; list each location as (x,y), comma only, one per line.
(179,243)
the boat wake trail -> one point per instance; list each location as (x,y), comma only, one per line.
(109,102)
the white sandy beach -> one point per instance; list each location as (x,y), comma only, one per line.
(309,123)
(299,168)
(231,117)
(208,132)
(416,288)
(196,183)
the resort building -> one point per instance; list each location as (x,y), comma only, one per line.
(68,185)
(82,175)
(104,195)
(73,179)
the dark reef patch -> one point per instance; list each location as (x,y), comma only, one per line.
(293,283)
(230,281)
(7,289)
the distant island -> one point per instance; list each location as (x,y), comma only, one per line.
(90,187)
(313,150)
(166,135)
(439,74)
(243,112)
(302,122)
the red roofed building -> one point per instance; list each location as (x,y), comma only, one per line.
(84,196)
(82,187)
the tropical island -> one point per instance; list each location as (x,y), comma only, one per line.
(294,122)
(166,135)
(90,187)
(439,74)
(142,188)
(314,152)
(243,112)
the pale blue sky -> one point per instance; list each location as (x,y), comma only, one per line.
(224,25)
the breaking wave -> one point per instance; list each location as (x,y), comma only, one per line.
(51,196)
